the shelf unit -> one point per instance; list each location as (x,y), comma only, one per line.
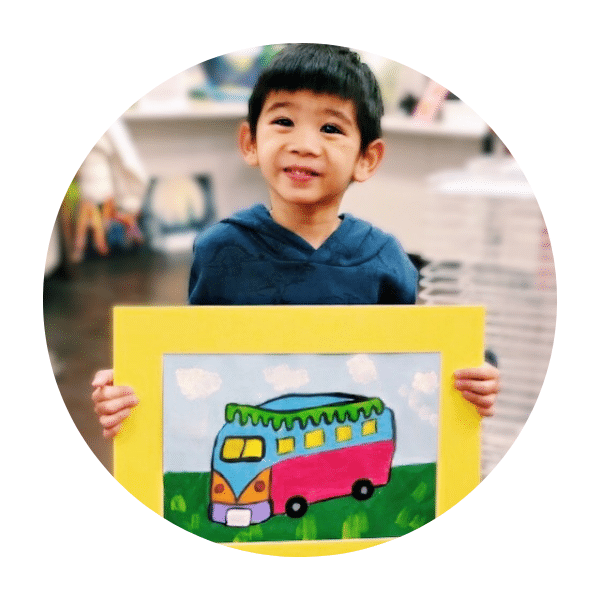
(188,137)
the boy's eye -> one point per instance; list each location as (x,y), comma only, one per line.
(330,128)
(283,121)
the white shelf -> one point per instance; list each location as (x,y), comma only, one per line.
(457,119)
(185,111)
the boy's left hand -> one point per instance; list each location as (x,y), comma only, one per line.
(479,386)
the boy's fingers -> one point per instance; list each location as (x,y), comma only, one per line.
(109,422)
(480,401)
(111,431)
(483,387)
(111,392)
(486,407)
(484,372)
(486,412)
(111,407)
(104,377)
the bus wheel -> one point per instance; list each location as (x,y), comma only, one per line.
(296,507)
(362,489)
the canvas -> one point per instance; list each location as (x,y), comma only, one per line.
(298,430)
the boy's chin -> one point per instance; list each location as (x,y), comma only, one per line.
(308,203)
(305,199)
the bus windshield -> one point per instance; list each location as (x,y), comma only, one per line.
(243,449)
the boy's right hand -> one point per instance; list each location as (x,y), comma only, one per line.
(112,403)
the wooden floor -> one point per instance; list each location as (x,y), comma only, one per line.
(77,313)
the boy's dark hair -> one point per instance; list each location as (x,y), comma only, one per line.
(322,69)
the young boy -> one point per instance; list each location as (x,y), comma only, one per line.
(313,128)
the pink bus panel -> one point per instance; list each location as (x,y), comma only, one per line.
(330,474)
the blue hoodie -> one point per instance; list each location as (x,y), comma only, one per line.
(249,259)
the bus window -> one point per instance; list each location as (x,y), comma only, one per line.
(243,449)
(285,445)
(232,448)
(315,438)
(369,427)
(343,433)
(253,448)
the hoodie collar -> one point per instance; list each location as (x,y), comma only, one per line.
(353,242)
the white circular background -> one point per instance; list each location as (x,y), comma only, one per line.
(527,70)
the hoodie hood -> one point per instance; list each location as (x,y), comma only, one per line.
(354,242)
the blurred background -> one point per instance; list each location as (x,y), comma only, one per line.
(169,167)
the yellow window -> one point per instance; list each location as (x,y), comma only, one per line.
(232,448)
(369,427)
(343,433)
(315,438)
(253,449)
(285,445)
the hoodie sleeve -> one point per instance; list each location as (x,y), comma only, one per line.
(197,284)
(399,277)
(219,258)
(203,284)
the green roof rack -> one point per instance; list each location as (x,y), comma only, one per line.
(340,412)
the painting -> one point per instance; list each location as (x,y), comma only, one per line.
(298,430)
(176,208)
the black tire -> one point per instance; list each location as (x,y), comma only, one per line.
(296,507)
(362,489)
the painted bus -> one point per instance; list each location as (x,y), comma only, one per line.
(294,450)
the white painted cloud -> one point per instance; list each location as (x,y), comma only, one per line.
(427,383)
(282,377)
(413,402)
(424,412)
(197,383)
(422,384)
(403,391)
(362,369)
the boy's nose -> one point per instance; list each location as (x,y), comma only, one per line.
(305,142)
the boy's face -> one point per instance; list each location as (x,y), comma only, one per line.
(307,147)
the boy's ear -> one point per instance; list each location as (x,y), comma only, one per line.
(247,144)
(369,160)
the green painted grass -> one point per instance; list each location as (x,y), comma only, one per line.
(406,503)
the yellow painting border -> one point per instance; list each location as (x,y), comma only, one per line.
(142,335)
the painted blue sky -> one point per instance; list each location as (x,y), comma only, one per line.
(197,388)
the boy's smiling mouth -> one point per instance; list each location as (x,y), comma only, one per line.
(300,173)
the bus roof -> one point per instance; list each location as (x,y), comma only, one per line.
(302,407)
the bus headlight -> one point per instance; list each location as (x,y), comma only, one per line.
(220,491)
(258,489)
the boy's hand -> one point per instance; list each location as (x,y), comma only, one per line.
(112,403)
(479,386)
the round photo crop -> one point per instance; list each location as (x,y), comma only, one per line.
(306,175)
